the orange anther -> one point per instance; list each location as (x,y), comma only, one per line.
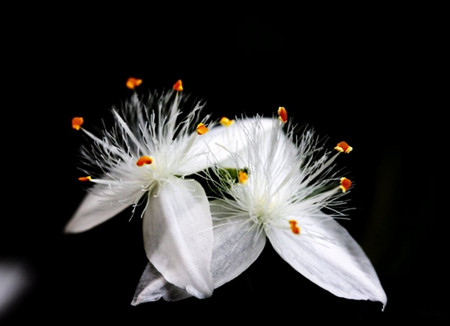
(345,184)
(178,86)
(294,227)
(84,179)
(282,114)
(226,122)
(77,122)
(132,82)
(144,160)
(242,176)
(202,129)
(343,147)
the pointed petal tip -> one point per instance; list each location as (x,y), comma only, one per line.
(136,301)
(384,303)
(69,229)
(381,299)
(72,227)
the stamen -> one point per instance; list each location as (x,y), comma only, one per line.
(226,122)
(343,147)
(345,184)
(132,82)
(202,129)
(294,227)
(178,86)
(77,122)
(282,114)
(84,179)
(144,160)
(242,176)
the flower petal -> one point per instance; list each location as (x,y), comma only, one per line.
(99,205)
(215,146)
(237,243)
(236,246)
(153,286)
(178,237)
(234,139)
(326,254)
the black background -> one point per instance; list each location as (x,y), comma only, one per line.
(370,78)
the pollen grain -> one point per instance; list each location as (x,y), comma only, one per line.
(343,147)
(226,122)
(345,184)
(77,122)
(243,177)
(202,129)
(178,86)
(132,82)
(282,114)
(144,160)
(294,227)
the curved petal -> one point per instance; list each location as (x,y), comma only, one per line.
(153,286)
(237,243)
(326,254)
(215,146)
(178,237)
(234,138)
(236,246)
(99,205)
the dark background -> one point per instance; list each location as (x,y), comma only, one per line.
(370,78)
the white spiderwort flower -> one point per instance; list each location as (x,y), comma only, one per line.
(289,193)
(145,159)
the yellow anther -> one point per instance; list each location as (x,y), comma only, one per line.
(77,122)
(282,114)
(345,184)
(226,122)
(144,160)
(343,147)
(294,227)
(178,86)
(242,176)
(132,82)
(202,129)
(84,179)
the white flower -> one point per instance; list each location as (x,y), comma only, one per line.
(289,193)
(145,159)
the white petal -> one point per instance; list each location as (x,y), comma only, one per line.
(100,205)
(237,243)
(178,236)
(215,146)
(234,139)
(326,253)
(236,246)
(153,286)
